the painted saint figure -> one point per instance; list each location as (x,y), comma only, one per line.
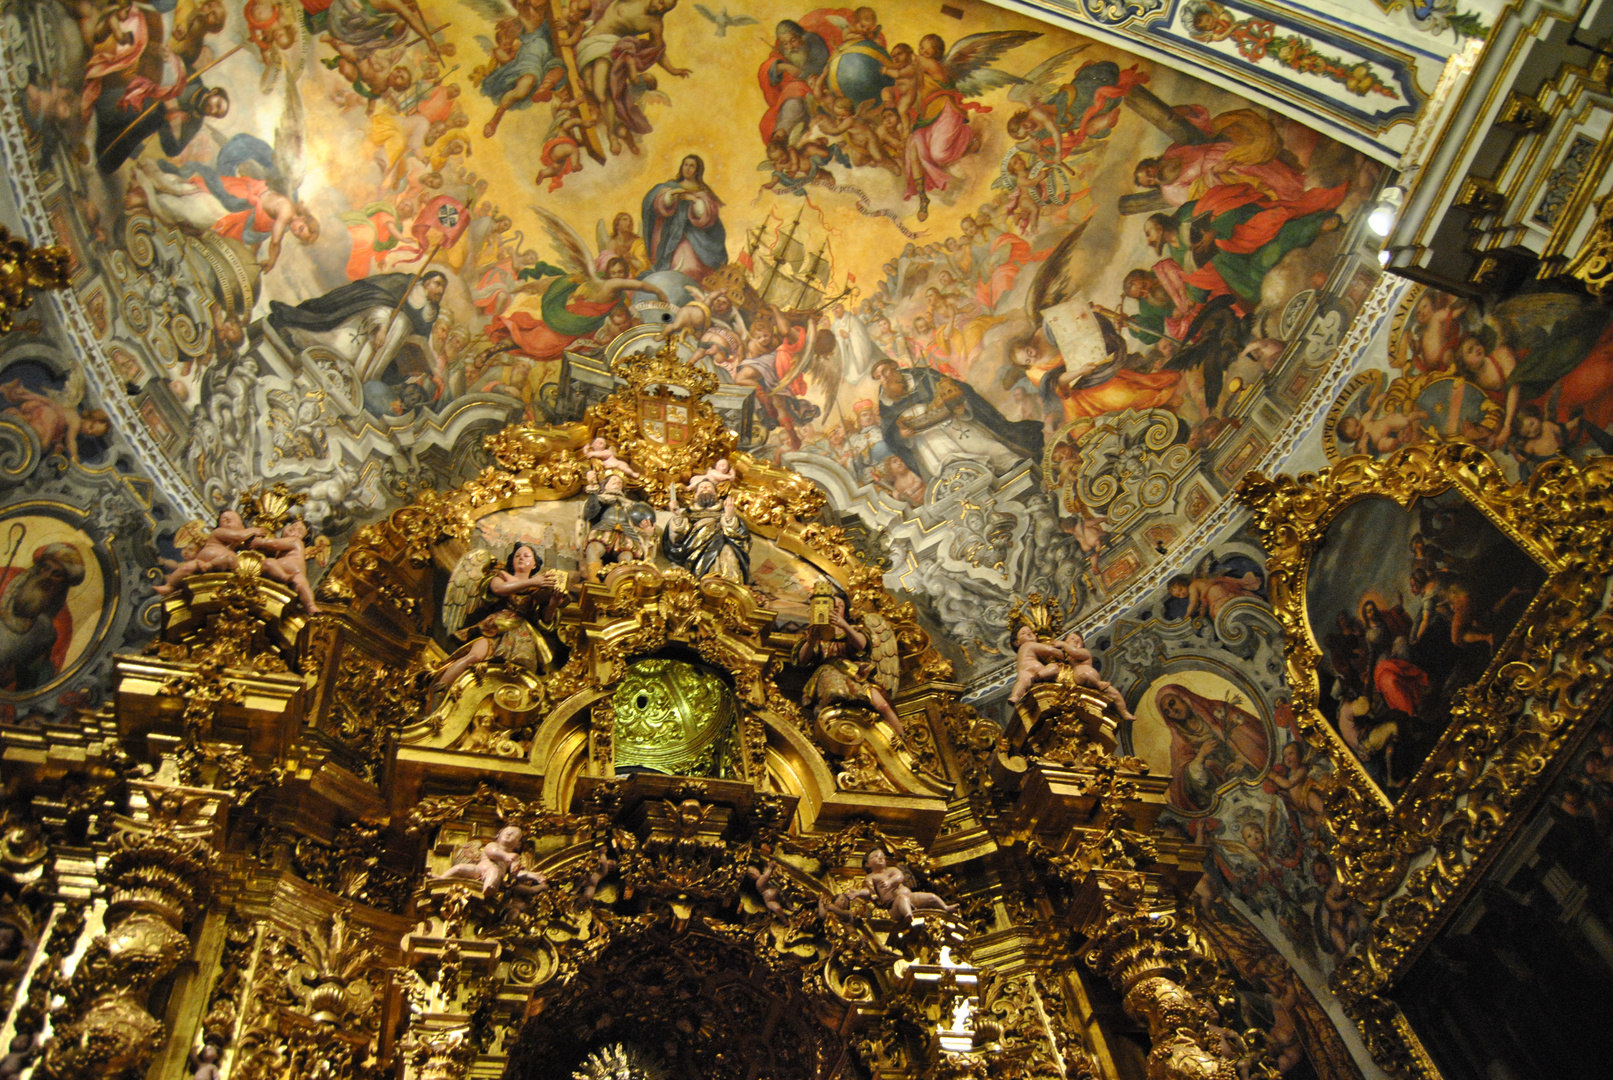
(1213,744)
(682,227)
(366,322)
(36,627)
(931,420)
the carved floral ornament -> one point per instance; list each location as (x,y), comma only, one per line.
(1411,860)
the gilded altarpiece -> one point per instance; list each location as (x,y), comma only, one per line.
(1411,851)
(363,837)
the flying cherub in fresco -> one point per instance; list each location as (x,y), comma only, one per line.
(375,75)
(1379,430)
(854,127)
(57,417)
(274,28)
(938,130)
(525,65)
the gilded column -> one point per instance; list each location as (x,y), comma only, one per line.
(156,873)
(1148,955)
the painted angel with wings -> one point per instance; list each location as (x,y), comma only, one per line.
(525,64)
(249,193)
(586,293)
(55,415)
(939,132)
(857,664)
(509,613)
(1061,115)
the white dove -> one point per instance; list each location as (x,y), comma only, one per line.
(725,20)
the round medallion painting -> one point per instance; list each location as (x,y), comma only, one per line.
(52,597)
(1205,733)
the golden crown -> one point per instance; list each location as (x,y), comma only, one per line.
(1041,613)
(645,372)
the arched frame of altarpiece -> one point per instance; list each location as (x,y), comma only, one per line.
(387,576)
(885,789)
(1413,860)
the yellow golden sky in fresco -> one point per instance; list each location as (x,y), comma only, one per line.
(715,113)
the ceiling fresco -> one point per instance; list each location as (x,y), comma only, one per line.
(1025,305)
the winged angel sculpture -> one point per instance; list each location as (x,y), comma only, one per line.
(856,665)
(510,610)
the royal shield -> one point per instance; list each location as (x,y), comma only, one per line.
(664,418)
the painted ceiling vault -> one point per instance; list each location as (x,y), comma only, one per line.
(336,244)
(1027,303)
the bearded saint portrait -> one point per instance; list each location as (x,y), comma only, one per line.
(36,626)
(1213,744)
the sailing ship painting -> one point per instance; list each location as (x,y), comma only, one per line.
(784,273)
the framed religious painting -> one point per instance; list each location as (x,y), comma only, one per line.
(1446,633)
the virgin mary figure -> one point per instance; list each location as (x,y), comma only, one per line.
(1213,744)
(681,225)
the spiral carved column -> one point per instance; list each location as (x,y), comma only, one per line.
(157,875)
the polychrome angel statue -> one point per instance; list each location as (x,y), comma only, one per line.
(511,611)
(857,664)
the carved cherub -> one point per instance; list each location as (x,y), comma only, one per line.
(720,473)
(1081,672)
(208,551)
(603,452)
(289,562)
(206,1064)
(1039,661)
(491,863)
(590,884)
(761,878)
(892,887)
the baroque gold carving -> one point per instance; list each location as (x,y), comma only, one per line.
(24,270)
(1593,263)
(156,872)
(1415,858)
